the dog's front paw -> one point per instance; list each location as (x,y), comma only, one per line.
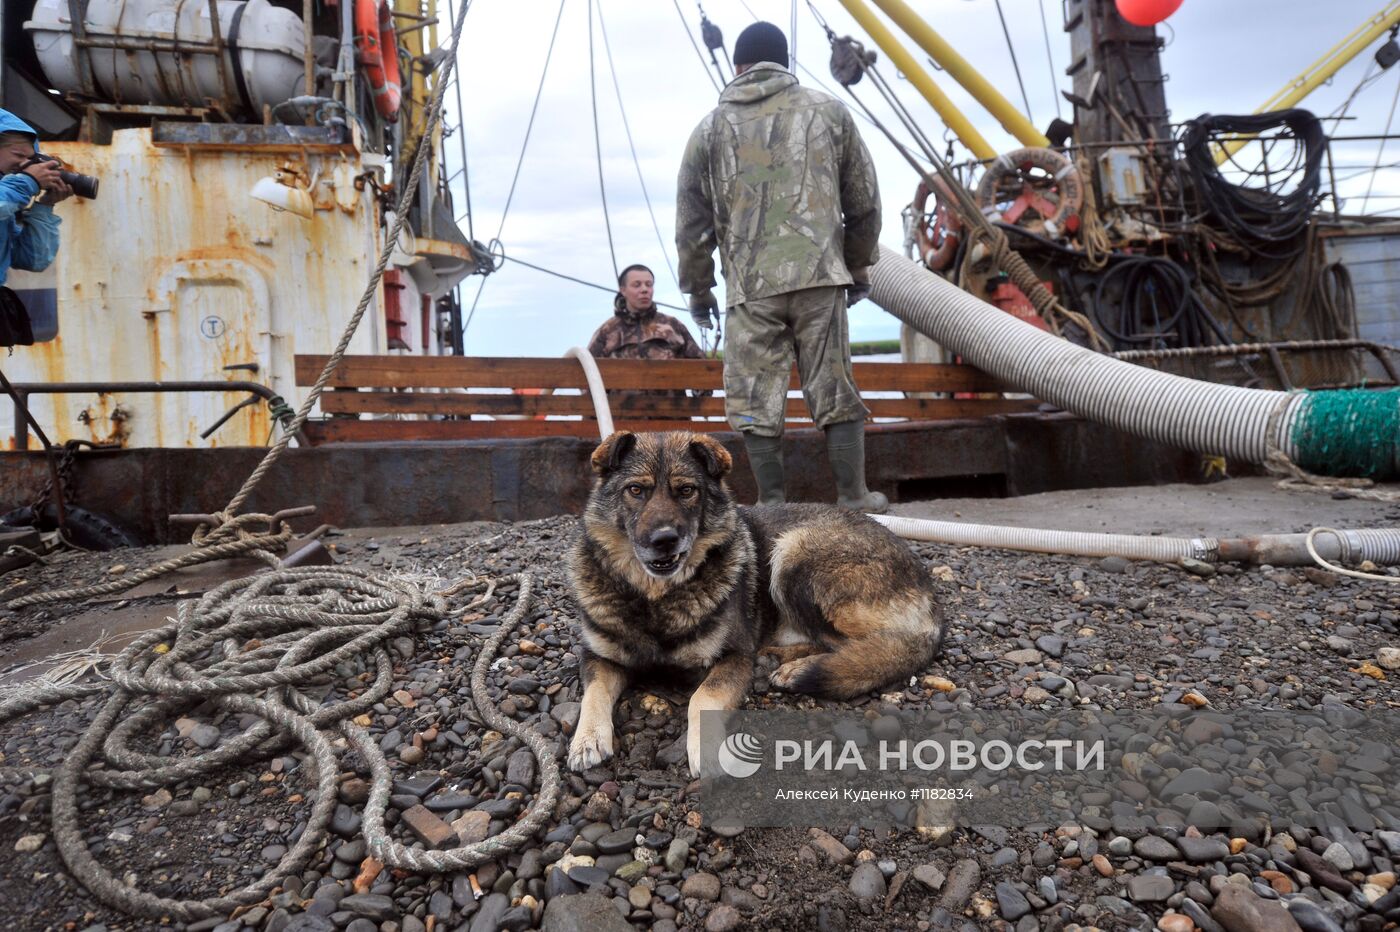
(590,747)
(789,675)
(692,750)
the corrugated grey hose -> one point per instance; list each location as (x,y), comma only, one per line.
(1380,546)
(244,647)
(1242,423)
(1221,419)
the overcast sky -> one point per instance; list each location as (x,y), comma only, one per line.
(1223,56)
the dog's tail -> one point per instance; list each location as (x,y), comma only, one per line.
(882,657)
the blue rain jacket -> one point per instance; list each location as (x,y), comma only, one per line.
(28,235)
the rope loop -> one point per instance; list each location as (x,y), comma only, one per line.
(250,647)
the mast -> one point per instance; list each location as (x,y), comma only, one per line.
(1117,73)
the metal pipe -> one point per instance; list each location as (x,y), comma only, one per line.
(952,116)
(308,59)
(79,388)
(77,13)
(1321,71)
(345,76)
(134,44)
(1378,350)
(22,415)
(960,70)
(216,36)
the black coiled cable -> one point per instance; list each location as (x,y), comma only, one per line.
(1157,305)
(1267,220)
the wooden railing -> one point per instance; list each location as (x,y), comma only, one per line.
(513,396)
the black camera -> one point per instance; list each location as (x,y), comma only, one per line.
(82,185)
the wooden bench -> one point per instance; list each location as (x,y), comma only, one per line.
(518,396)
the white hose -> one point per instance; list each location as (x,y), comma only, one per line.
(1380,546)
(1066,365)
(1037,540)
(595,389)
(1194,415)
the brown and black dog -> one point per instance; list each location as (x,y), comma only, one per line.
(672,577)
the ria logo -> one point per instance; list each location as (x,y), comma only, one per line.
(740,755)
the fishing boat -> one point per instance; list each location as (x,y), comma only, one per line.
(248,188)
(255,339)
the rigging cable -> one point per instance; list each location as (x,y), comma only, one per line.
(792,38)
(1049,57)
(1380,151)
(693,44)
(598,138)
(1014,64)
(714,40)
(617,88)
(807,71)
(850,62)
(519,162)
(578,281)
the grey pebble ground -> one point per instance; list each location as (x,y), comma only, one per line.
(629,847)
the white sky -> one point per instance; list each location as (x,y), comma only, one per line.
(1223,56)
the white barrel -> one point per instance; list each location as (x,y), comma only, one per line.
(262,63)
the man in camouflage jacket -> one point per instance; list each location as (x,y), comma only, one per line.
(638,330)
(777,178)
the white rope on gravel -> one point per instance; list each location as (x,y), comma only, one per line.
(248,646)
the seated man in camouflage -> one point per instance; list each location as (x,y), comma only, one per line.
(637,329)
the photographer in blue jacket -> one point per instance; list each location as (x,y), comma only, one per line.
(29,187)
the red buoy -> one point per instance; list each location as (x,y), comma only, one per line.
(1147,12)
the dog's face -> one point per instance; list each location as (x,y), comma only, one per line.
(657,490)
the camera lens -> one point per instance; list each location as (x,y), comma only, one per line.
(82,185)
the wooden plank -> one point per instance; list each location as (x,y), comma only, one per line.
(508,372)
(343,430)
(498,404)
(638,406)
(537,372)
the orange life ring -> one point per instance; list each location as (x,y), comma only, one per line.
(1048,202)
(939,231)
(377,49)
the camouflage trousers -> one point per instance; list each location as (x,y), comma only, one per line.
(761,340)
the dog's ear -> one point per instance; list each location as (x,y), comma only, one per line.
(613,451)
(712,456)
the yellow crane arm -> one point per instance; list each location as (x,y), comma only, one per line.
(1320,71)
(958,68)
(917,76)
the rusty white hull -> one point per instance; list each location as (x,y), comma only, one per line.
(176,273)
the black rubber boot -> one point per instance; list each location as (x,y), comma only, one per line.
(766,461)
(845,448)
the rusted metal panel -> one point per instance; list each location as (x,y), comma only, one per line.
(175,272)
(1373,259)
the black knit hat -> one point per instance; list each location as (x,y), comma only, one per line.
(761,42)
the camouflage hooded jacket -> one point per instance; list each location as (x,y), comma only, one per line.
(778,178)
(647,334)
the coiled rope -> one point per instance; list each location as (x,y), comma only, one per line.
(248,647)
